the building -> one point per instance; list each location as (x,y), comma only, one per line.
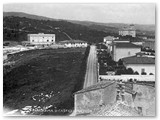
(121,40)
(124,39)
(73,43)
(92,97)
(41,39)
(128,31)
(108,40)
(124,49)
(140,64)
(134,40)
(138,43)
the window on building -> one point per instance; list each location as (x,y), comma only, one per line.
(52,40)
(32,40)
(47,40)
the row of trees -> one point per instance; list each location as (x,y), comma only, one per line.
(130,71)
(147,49)
(108,64)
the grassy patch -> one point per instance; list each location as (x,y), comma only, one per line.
(39,72)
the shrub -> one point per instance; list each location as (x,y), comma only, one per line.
(136,73)
(120,62)
(130,71)
(135,80)
(130,80)
(143,73)
(151,74)
(6,44)
(120,71)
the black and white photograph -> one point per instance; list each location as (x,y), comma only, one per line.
(79,59)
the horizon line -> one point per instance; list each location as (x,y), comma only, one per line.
(76,19)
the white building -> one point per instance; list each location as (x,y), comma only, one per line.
(121,40)
(138,43)
(73,43)
(140,64)
(126,49)
(108,40)
(128,31)
(111,44)
(41,39)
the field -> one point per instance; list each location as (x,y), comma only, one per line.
(41,78)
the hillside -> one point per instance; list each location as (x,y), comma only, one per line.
(146,30)
(16,28)
(21,14)
(141,27)
(46,77)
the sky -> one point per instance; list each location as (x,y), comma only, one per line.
(105,13)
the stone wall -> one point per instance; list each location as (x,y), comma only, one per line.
(127,77)
(145,99)
(109,95)
(129,100)
(140,97)
(91,101)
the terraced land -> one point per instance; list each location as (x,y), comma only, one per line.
(46,77)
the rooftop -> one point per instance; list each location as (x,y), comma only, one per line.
(41,35)
(127,45)
(109,38)
(121,40)
(150,40)
(118,109)
(129,38)
(138,60)
(99,85)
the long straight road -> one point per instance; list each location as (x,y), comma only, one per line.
(91,72)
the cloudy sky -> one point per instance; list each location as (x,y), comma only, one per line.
(106,13)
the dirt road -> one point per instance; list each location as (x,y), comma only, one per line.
(91,72)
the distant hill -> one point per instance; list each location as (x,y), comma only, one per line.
(146,30)
(16,26)
(94,25)
(149,27)
(21,14)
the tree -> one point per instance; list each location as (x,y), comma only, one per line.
(151,74)
(130,80)
(120,62)
(143,73)
(135,80)
(136,73)
(119,72)
(6,44)
(130,71)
